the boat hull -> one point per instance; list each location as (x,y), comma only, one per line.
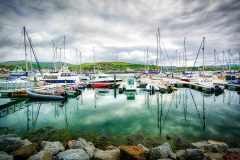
(43,96)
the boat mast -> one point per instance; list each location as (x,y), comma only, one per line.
(76,59)
(60,58)
(160,51)
(147,60)
(80,62)
(185,55)
(157,54)
(223,61)
(64,51)
(25,47)
(94,60)
(229,60)
(203,53)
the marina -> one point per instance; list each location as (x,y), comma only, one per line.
(119,80)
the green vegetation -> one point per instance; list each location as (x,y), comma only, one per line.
(102,141)
(114,66)
(109,66)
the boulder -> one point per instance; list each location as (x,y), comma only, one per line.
(5,156)
(42,155)
(25,152)
(132,152)
(218,146)
(180,155)
(87,146)
(163,151)
(72,144)
(9,142)
(214,156)
(234,150)
(194,154)
(110,147)
(25,142)
(4,130)
(211,146)
(113,154)
(72,154)
(52,147)
(143,147)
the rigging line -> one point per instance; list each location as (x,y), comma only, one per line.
(232,56)
(168,110)
(166,52)
(196,57)
(199,115)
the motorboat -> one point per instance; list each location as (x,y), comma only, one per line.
(64,76)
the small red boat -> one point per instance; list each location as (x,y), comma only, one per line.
(100,85)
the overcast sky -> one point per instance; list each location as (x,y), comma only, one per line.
(120,30)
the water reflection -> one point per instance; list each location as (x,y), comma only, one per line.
(186,112)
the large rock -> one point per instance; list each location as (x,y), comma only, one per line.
(5,156)
(87,146)
(25,142)
(132,153)
(72,144)
(72,154)
(161,152)
(25,151)
(42,155)
(180,155)
(211,146)
(9,142)
(52,147)
(218,146)
(214,156)
(194,154)
(113,154)
(4,130)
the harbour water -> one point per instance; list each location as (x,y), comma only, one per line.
(187,113)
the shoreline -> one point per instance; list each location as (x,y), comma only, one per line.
(94,146)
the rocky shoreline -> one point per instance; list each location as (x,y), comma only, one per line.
(13,146)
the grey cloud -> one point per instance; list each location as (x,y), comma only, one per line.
(114,27)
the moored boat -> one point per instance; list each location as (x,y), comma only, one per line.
(46,95)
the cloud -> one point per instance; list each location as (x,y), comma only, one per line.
(119,30)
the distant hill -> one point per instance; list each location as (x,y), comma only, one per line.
(22,62)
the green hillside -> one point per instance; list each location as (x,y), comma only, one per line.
(108,66)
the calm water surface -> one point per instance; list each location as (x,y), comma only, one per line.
(186,112)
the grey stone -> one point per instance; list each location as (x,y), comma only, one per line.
(194,154)
(161,152)
(9,143)
(211,146)
(144,148)
(180,155)
(72,154)
(87,146)
(5,156)
(42,155)
(113,154)
(52,147)
(218,146)
(25,142)
(3,130)
(234,150)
